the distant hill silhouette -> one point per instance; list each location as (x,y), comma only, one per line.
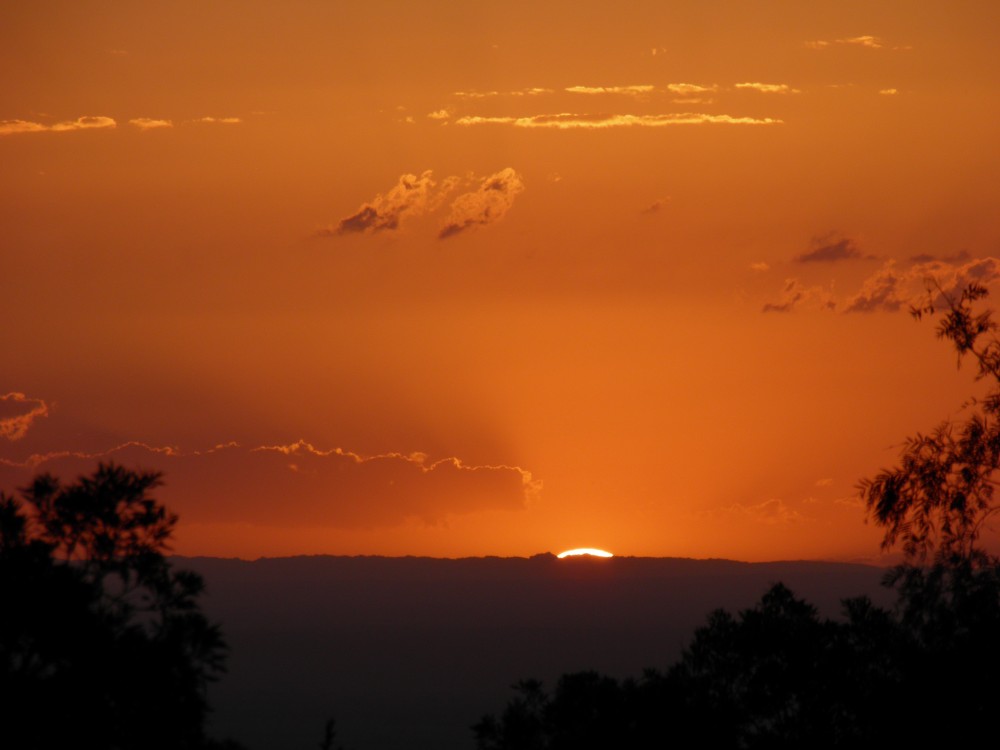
(409,652)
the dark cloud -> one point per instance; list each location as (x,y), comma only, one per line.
(486,205)
(300,485)
(826,250)
(960,257)
(655,206)
(17,412)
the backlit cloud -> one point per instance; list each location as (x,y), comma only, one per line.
(892,288)
(769,88)
(17,412)
(11,127)
(569,121)
(486,205)
(410,196)
(146,123)
(866,40)
(686,89)
(218,120)
(301,485)
(533,91)
(629,90)
(796,295)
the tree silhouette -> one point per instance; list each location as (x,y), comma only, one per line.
(102,643)
(937,500)
(778,676)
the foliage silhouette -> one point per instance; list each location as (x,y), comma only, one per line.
(938,499)
(778,676)
(102,643)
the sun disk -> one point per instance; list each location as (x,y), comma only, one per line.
(584,551)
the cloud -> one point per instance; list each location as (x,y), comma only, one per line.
(410,196)
(218,120)
(960,257)
(769,88)
(795,294)
(17,412)
(533,91)
(570,121)
(146,123)
(11,127)
(888,92)
(301,485)
(684,89)
(759,266)
(770,512)
(440,114)
(629,90)
(486,205)
(894,286)
(827,250)
(883,290)
(867,40)
(655,206)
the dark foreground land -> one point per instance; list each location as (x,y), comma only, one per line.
(410,652)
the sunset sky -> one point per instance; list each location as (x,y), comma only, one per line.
(459,278)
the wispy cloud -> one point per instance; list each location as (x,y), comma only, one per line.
(571,121)
(686,89)
(89,122)
(486,205)
(300,484)
(888,92)
(829,250)
(218,120)
(440,114)
(866,40)
(17,412)
(533,91)
(629,90)
(769,88)
(410,196)
(770,512)
(759,266)
(147,123)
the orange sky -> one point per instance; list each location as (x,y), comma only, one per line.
(455,278)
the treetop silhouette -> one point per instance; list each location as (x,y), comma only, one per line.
(102,642)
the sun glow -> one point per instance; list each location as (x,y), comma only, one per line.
(584,551)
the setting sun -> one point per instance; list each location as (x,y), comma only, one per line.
(590,551)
